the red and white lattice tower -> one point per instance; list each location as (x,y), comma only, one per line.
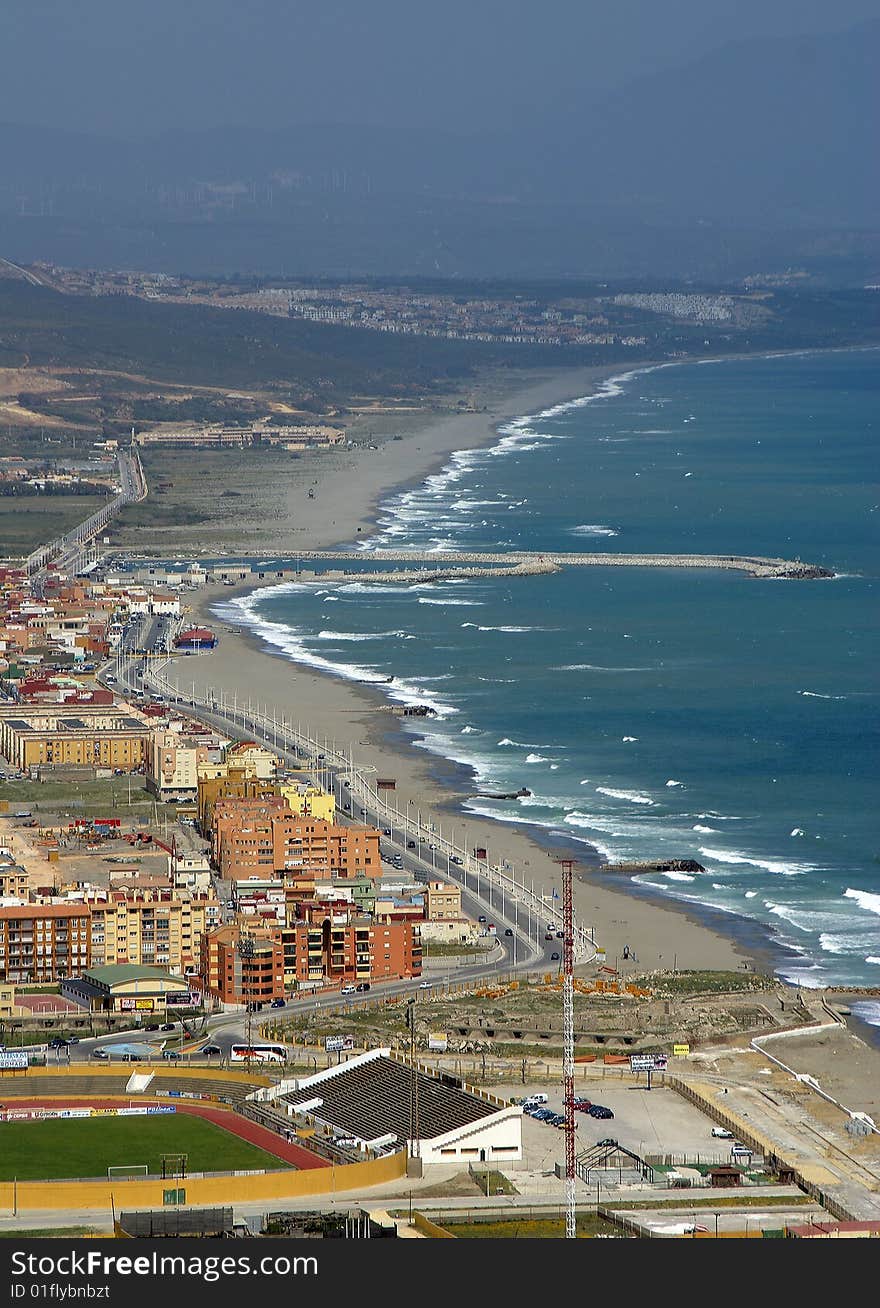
(568,1044)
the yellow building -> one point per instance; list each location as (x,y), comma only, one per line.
(306,800)
(13,881)
(82,735)
(151,927)
(442,901)
(7,999)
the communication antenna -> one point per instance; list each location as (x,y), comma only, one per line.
(415,1149)
(568,1044)
(246,955)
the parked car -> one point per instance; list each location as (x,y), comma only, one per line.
(582,1105)
(362,986)
(170,1053)
(560,935)
(599,1110)
(482,917)
(167,1026)
(508,931)
(549,936)
(554,957)
(720,1133)
(607,1144)
(152,1026)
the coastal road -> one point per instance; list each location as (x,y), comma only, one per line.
(420,848)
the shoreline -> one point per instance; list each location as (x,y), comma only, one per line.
(655,926)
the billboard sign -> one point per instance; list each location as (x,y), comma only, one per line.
(13,1059)
(335,1044)
(648,1062)
(438,1042)
(681,1051)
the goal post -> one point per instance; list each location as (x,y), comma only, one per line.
(119,1171)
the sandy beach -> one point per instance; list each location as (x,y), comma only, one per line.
(662,934)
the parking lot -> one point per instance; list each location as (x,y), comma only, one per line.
(655,1121)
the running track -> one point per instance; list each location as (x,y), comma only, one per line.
(227,1120)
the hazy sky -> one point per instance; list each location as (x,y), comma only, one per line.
(123,67)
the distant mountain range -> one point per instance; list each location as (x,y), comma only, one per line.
(775,135)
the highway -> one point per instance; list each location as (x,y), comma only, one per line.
(527,931)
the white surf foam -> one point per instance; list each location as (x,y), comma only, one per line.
(448,603)
(673,783)
(774,865)
(865,900)
(632,796)
(596,667)
(593,529)
(706,830)
(291,641)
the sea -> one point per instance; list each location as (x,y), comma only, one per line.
(655,713)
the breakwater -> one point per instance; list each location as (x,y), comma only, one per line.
(438,565)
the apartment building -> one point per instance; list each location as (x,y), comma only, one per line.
(44,943)
(329,942)
(81,735)
(13,881)
(241,975)
(262,837)
(149,927)
(175,758)
(220,781)
(442,900)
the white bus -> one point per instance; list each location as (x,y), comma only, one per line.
(258,1054)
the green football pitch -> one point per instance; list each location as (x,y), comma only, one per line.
(49,1150)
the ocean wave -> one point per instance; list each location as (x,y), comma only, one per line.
(865,900)
(469,731)
(291,641)
(797,831)
(596,667)
(705,830)
(452,603)
(537,758)
(360,635)
(774,865)
(629,739)
(790,915)
(750,894)
(593,529)
(831,944)
(872,959)
(508,630)
(679,876)
(674,783)
(867,1011)
(632,796)
(814,694)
